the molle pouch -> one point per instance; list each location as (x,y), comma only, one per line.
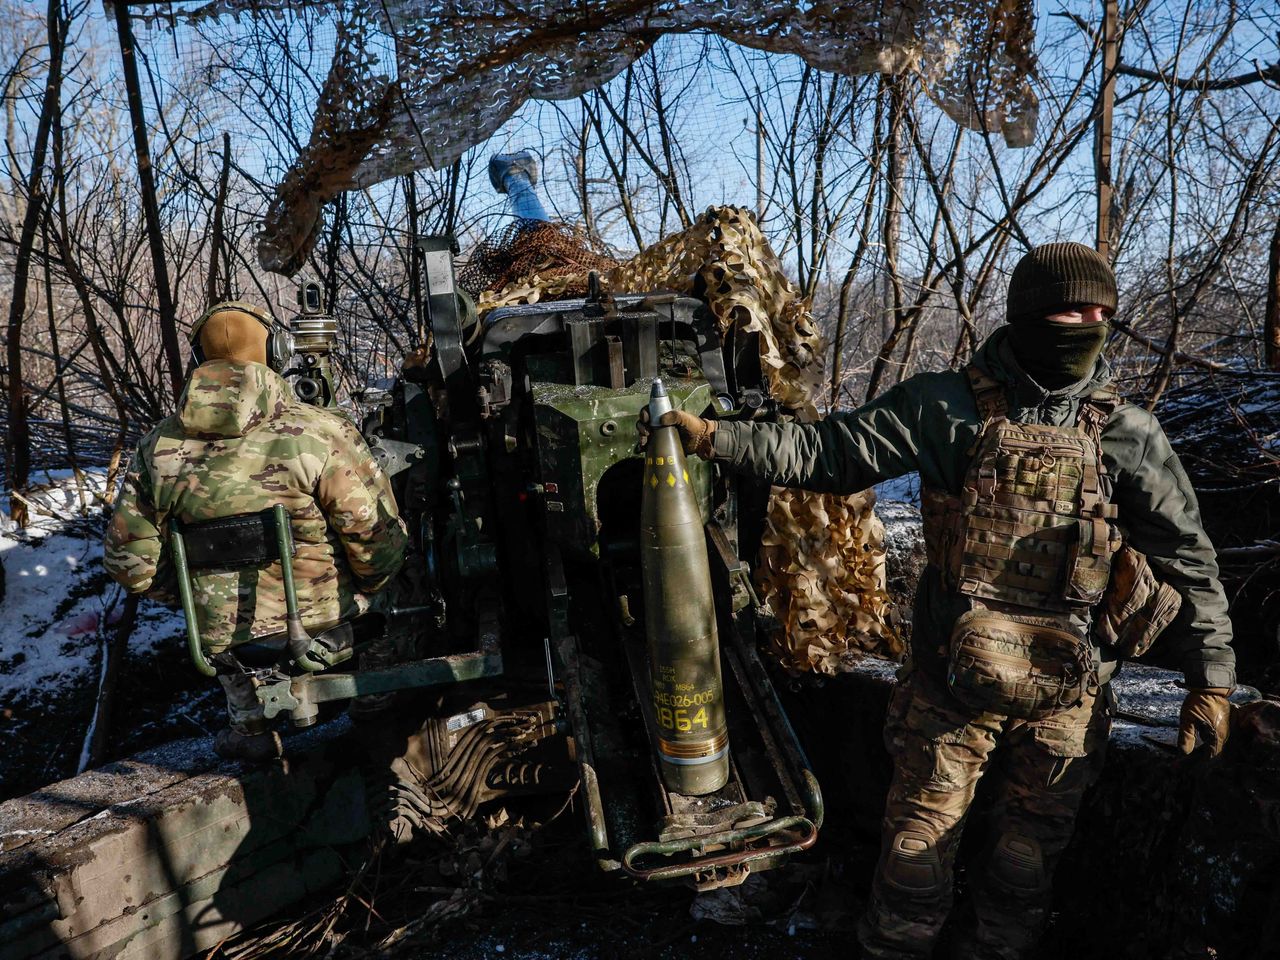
(1030,667)
(1136,607)
(1089,557)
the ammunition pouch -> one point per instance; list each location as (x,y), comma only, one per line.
(1136,607)
(1023,666)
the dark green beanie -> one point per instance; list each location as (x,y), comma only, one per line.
(1057,275)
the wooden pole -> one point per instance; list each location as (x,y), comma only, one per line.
(150,208)
(1103,140)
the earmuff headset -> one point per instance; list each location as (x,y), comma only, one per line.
(280,346)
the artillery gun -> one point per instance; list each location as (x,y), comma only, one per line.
(561,638)
(514,461)
(512,454)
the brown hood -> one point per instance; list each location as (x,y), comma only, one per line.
(228,398)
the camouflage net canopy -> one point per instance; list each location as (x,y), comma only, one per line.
(821,568)
(463,67)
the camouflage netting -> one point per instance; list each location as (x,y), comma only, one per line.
(531,260)
(463,67)
(726,261)
(821,564)
(822,570)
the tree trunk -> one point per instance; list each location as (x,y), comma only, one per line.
(59,367)
(150,206)
(215,288)
(19,429)
(1273,302)
(894,317)
(97,339)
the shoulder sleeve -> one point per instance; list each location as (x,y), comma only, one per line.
(134,539)
(915,426)
(1161,516)
(356,498)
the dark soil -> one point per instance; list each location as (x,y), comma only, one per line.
(160,698)
(540,896)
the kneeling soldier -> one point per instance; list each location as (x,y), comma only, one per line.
(1042,492)
(240,444)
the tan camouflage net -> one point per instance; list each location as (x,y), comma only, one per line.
(463,67)
(821,569)
(724,260)
(821,565)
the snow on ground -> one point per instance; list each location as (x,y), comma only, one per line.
(898,507)
(904,489)
(59,604)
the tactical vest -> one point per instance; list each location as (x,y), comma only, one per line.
(1030,540)
(1033,525)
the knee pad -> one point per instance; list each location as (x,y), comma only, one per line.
(914,865)
(1018,863)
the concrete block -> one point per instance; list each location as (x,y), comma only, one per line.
(168,853)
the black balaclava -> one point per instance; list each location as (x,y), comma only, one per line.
(1052,279)
(1056,355)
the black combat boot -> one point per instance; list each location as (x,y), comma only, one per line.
(232,744)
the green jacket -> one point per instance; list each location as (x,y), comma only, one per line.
(241,443)
(927,423)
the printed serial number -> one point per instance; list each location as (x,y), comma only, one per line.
(679,719)
(662,698)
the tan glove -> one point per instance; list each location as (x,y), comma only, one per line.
(697,435)
(1206,712)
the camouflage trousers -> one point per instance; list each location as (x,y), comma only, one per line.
(244,709)
(941,749)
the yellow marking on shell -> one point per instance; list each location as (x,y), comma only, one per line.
(653,480)
(671,479)
(659,461)
(686,476)
(649,461)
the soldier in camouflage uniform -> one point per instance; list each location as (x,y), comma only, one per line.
(1009,561)
(241,443)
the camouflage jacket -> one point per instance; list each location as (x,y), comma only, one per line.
(240,443)
(928,423)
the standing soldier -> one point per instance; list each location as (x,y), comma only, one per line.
(1032,472)
(241,443)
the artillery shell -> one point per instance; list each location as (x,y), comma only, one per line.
(680,621)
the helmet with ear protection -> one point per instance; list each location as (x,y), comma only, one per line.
(280,346)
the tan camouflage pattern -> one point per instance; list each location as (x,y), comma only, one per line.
(940,751)
(241,443)
(1031,525)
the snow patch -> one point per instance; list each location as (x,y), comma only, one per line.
(59,605)
(905,489)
